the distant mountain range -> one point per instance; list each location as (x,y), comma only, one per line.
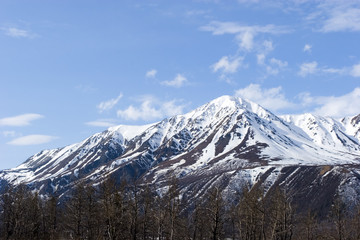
(230,142)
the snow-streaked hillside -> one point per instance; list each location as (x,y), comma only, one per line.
(326,131)
(228,136)
(352,126)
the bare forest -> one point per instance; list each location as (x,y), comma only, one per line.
(128,211)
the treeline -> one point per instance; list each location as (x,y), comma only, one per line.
(127,211)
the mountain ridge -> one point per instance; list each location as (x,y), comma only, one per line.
(228,141)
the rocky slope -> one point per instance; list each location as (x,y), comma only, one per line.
(229,142)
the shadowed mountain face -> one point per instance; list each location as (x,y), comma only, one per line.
(229,142)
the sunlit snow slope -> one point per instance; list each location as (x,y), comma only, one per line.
(228,140)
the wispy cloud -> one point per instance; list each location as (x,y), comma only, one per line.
(308,68)
(328,16)
(178,81)
(275,100)
(191,13)
(109,104)
(264,49)
(150,108)
(18,33)
(102,123)
(244,34)
(335,16)
(227,64)
(246,40)
(260,58)
(32,140)
(267,46)
(335,70)
(220,28)
(272,66)
(275,66)
(335,106)
(272,98)
(20,120)
(307,48)
(341,19)
(355,70)
(245,37)
(279,63)
(151,73)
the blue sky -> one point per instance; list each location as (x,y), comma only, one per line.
(69,69)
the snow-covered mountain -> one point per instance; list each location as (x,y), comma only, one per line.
(328,132)
(228,141)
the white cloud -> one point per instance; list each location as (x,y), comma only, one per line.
(339,106)
(264,50)
(335,70)
(307,48)
(151,109)
(279,63)
(342,20)
(272,98)
(260,59)
(18,33)
(178,81)
(244,34)
(334,106)
(20,120)
(275,100)
(273,67)
(102,123)
(151,73)
(355,71)
(308,68)
(145,112)
(313,68)
(107,105)
(305,99)
(272,70)
(335,15)
(220,28)
(329,15)
(246,40)
(267,46)
(226,65)
(32,140)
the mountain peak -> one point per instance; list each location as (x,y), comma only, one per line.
(228,104)
(233,101)
(227,133)
(225,100)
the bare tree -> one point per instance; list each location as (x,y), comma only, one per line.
(251,215)
(147,213)
(171,202)
(50,215)
(338,216)
(307,226)
(281,216)
(215,211)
